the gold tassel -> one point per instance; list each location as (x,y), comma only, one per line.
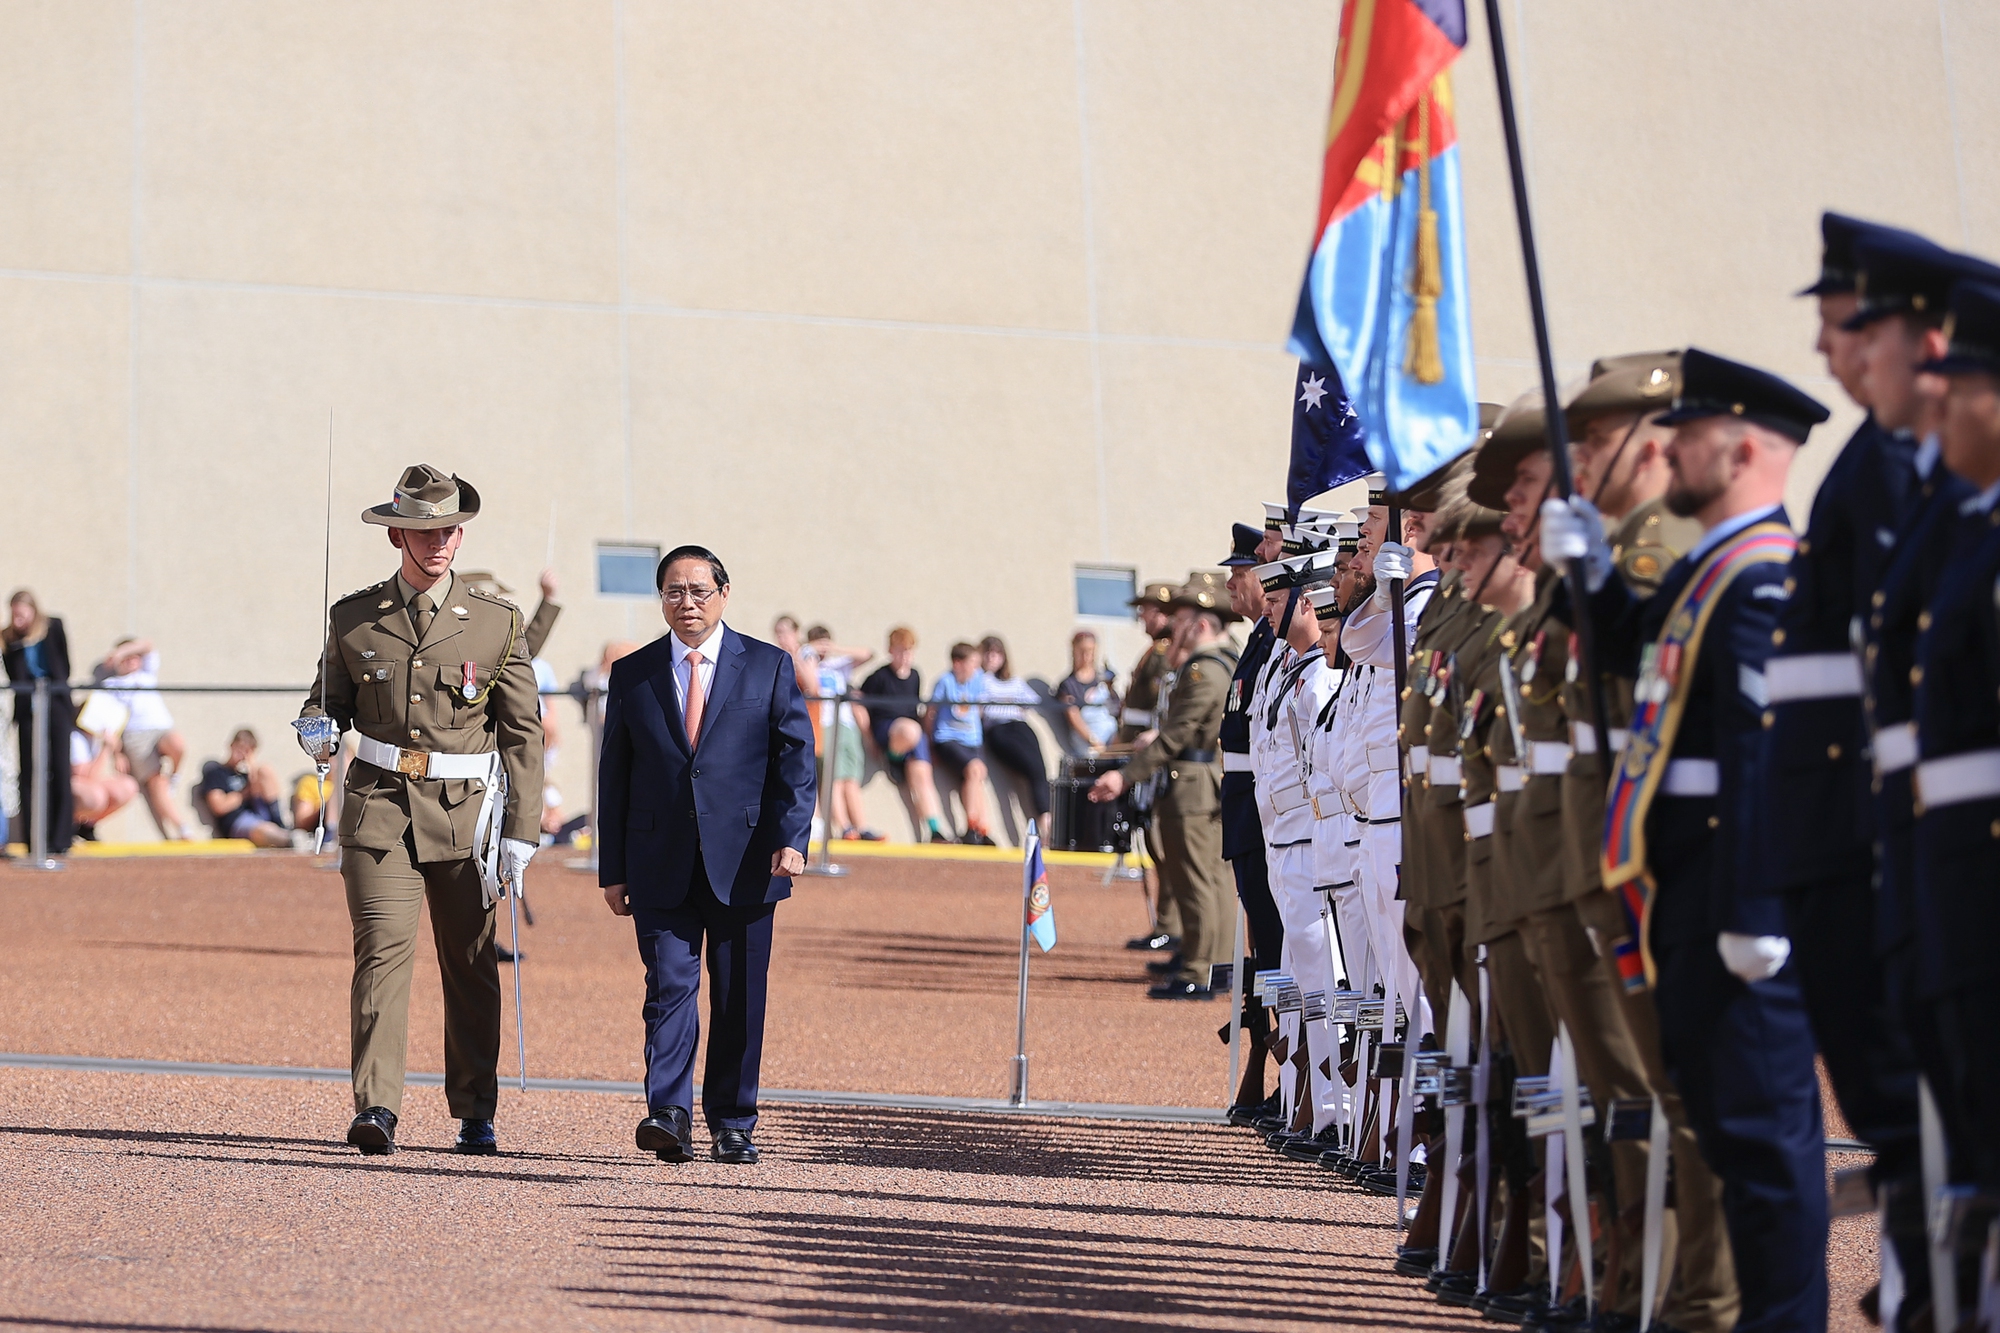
(1423,359)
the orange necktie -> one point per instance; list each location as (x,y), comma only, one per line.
(694,699)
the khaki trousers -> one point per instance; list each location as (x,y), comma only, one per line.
(1702,1296)
(1190,822)
(1519,1004)
(386,891)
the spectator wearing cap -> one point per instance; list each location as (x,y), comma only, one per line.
(153,750)
(956,738)
(35,648)
(1010,741)
(894,694)
(1089,697)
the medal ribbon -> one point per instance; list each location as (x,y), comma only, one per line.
(1666,677)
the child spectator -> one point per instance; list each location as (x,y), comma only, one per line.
(242,796)
(1009,739)
(154,751)
(956,737)
(97,787)
(1089,697)
(834,667)
(893,693)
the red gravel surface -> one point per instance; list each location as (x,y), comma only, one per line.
(172,1203)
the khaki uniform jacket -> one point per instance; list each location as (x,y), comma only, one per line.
(389,687)
(1428,864)
(1193,723)
(1537,646)
(1142,690)
(1645,545)
(1471,714)
(539,626)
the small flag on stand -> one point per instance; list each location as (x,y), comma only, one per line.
(1384,302)
(1041,915)
(1329,448)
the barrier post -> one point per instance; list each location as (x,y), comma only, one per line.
(39,855)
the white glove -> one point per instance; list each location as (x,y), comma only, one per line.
(1392,561)
(1753,957)
(514,857)
(1572,529)
(318,735)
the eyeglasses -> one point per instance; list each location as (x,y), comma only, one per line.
(678,594)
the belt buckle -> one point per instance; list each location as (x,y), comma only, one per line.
(413,763)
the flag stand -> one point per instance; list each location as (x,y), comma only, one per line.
(1556,425)
(1017,1094)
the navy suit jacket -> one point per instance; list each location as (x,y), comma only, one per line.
(727,803)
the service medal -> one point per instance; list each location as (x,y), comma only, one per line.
(470,688)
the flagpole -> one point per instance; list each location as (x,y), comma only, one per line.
(1018,1093)
(1554,423)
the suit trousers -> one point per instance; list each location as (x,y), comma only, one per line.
(386,891)
(738,940)
(1742,1057)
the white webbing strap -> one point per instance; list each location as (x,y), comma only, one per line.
(1654,1238)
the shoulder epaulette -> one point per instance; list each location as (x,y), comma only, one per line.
(361,592)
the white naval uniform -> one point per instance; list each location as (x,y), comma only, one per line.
(1375,770)
(1278,739)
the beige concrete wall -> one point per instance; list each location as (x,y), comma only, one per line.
(905,307)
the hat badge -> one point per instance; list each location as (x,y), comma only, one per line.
(1657,383)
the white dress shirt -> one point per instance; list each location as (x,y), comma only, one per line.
(708,648)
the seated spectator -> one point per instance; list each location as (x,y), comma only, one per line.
(834,668)
(1010,741)
(955,736)
(1089,696)
(154,751)
(242,796)
(305,800)
(893,692)
(97,787)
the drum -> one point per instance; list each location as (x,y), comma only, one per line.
(1076,824)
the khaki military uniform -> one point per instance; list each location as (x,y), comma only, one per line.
(539,626)
(1189,812)
(407,838)
(1137,716)
(1617,1032)
(1433,886)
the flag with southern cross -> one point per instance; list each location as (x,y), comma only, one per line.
(1328,448)
(1035,886)
(1384,302)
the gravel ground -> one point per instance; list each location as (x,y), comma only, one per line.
(170,1203)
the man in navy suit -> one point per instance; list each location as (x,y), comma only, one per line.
(706,790)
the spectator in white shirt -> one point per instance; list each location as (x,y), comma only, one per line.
(1010,741)
(834,666)
(154,751)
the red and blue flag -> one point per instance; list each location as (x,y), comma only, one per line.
(1035,886)
(1384,304)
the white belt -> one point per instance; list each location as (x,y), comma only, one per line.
(1507,777)
(1289,797)
(1420,758)
(1233,762)
(1691,777)
(1895,747)
(1547,757)
(1583,738)
(1384,759)
(1478,820)
(1444,770)
(1958,778)
(1136,717)
(1811,676)
(484,769)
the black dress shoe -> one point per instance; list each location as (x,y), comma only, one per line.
(1413,1261)
(505,954)
(1251,1114)
(1179,990)
(1511,1307)
(733,1146)
(1458,1289)
(667,1132)
(1312,1146)
(374,1132)
(1154,943)
(475,1139)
